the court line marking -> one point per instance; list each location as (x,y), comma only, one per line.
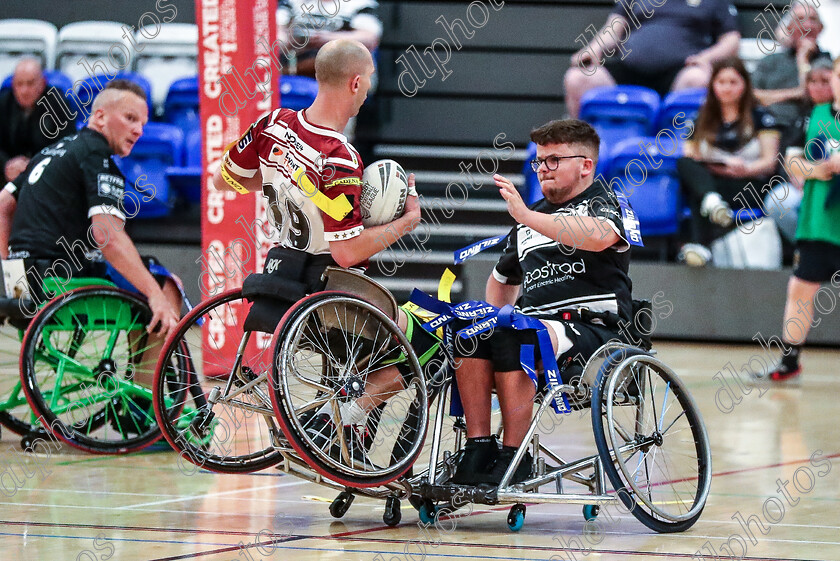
(663,555)
(110,539)
(219,494)
(569,549)
(349,536)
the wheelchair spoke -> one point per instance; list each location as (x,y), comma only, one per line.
(671,424)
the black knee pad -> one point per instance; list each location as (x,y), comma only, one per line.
(505,346)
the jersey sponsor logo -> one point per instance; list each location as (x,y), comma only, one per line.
(550,270)
(279,156)
(244,141)
(293,140)
(112,186)
(57,150)
(529,239)
(343,181)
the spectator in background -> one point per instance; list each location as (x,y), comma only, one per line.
(668,48)
(779,78)
(817,259)
(733,143)
(21,135)
(324,21)
(782,203)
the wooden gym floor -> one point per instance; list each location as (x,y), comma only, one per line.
(77,507)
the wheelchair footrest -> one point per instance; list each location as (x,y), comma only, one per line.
(482,494)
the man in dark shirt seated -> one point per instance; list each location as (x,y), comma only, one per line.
(568,251)
(21,110)
(668,47)
(780,78)
(64,216)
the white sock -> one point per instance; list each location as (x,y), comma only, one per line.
(352,414)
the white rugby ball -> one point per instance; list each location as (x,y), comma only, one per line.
(384,190)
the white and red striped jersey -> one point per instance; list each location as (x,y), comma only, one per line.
(278,145)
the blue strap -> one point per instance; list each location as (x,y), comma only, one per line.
(504,317)
(509,317)
(465,253)
(630,220)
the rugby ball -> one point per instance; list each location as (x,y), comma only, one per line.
(384,189)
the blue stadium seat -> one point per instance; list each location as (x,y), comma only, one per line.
(687,102)
(181,105)
(91,86)
(532,192)
(186,179)
(654,193)
(297,92)
(621,111)
(160,146)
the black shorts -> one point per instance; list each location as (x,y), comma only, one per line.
(816,261)
(660,81)
(502,346)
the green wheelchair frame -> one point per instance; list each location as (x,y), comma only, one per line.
(77,360)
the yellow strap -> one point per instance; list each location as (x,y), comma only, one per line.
(445,286)
(232,182)
(336,208)
(445,292)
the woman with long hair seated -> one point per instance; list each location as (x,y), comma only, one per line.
(734,144)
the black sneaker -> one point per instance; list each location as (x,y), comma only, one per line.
(781,373)
(477,461)
(132,416)
(506,454)
(322,431)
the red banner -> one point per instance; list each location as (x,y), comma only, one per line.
(237,85)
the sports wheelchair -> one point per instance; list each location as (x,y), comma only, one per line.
(267,386)
(69,367)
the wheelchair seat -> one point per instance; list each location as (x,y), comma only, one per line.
(354,282)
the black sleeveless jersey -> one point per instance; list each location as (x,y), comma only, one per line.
(555,277)
(62,187)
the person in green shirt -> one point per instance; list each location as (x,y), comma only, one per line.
(817,257)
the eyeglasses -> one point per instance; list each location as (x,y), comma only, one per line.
(551,162)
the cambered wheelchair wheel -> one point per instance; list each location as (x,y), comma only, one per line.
(330,350)
(82,360)
(652,440)
(232,431)
(15,413)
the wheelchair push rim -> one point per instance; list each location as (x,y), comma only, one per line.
(326,345)
(15,413)
(652,440)
(79,358)
(225,435)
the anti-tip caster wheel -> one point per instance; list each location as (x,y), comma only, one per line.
(392,514)
(590,512)
(516,517)
(428,511)
(341,504)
